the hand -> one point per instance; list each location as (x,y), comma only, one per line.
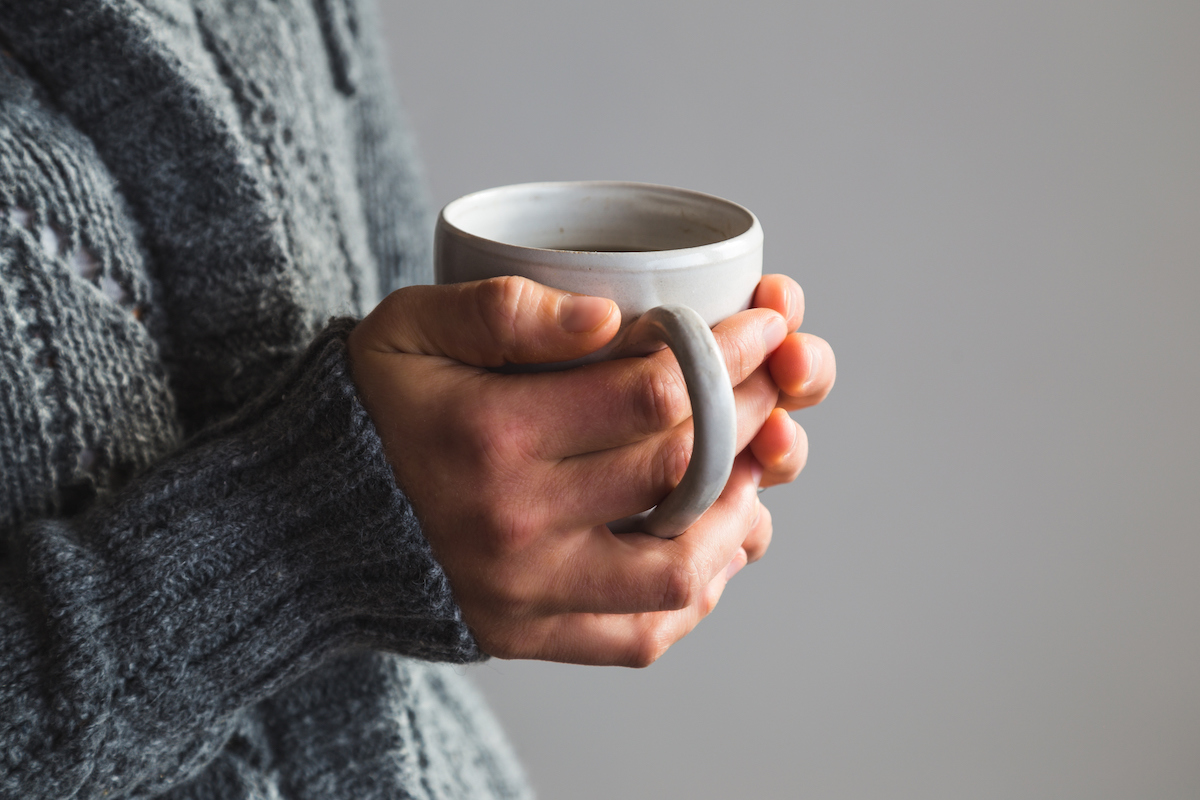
(804,369)
(514,475)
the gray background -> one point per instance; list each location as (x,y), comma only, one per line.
(987,582)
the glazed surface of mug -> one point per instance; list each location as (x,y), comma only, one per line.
(641,245)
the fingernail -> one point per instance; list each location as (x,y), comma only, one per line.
(795,429)
(581,313)
(736,565)
(774,332)
(814,364)
(756,472)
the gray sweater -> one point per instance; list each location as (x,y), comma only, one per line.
(210,585)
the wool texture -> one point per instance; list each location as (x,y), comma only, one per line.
(210,584)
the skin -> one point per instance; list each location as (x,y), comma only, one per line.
(514,475)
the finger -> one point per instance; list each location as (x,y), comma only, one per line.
(490,323)
(804,369)
(622,640)
(605,572)
(781,293)
(781,447)
(756,544)
(631,399)
(612,484)
(627,640)
(746,340)
(601,406)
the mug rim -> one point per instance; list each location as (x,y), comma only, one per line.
(598,260)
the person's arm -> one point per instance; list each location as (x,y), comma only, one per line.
(131,636)
(135,626)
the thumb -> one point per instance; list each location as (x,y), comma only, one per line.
(490,323)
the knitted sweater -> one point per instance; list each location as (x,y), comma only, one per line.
(210,585)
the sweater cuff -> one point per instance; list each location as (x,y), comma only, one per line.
(273,541)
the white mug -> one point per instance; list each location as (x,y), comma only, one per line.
(675,261)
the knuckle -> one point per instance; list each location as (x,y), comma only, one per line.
(757,396)
(673,459)
(681,586)
(662,400)
(495,434)
(502,302)
(649,647)
(510,528)
(484,450)
(394,303)
(498,525)
(491,433)
(742,356)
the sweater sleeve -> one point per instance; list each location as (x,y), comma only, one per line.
(131,636)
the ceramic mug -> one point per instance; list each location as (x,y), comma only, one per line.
(676,262)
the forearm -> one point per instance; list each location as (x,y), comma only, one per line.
(131,636)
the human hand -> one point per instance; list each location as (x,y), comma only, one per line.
(514,475)
(803,368)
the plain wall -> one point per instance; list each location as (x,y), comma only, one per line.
(986,584)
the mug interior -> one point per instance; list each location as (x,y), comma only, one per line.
(598,217)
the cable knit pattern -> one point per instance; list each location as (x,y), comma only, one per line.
(210,584)
(85,402)
(246,167)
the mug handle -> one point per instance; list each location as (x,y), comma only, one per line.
(713,413)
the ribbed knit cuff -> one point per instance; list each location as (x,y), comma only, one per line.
(268,544)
